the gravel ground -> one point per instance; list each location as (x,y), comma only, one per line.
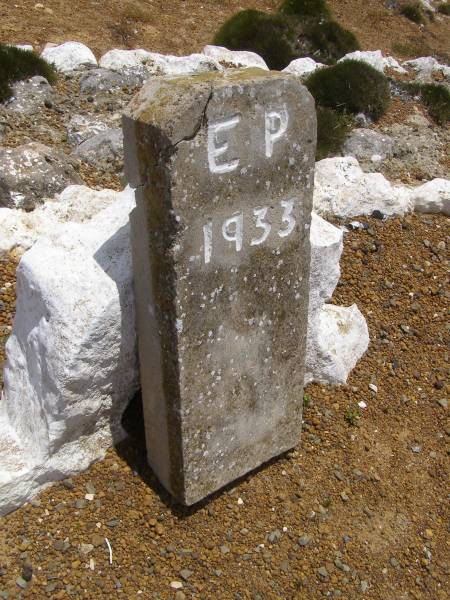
(357,510)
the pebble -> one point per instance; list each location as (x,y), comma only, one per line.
(274,536)
(416,449)
(344,497)
(373,387)
(180,595)
(176,585)
(323,573)
(185,574)
(224,549)
(364,586)
(304,540)
(443,402)
(20,582)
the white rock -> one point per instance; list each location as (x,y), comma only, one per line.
(76,203)
(375,59)
(69,56)
(152,63)
(71,359)
(303,66)
(342,188)
(340,338)
(432,197)
(428,69)
(326,249)
(234,58)
(27,47)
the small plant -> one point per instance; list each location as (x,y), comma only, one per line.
(331,41)
(351,86)
(413,12)
(267,35)
(17,64)
(316,9)
(306,400)
(352,416)
(444,8)
(436,98)
(332,129)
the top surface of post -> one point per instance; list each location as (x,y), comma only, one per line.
(224,165)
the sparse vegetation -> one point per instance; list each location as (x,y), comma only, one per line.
(316,9)
(412,48)
(17,64)
(306,400)
(351,87)
(267,35)
(444,8)
(413,12)
(352,416)
(331,41)
(300,28)
(332,129)
(436,98)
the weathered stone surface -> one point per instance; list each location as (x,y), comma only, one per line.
(31,173)
(432,197)
(339,337)
(104,150)
(428,70)
(224,166)
(83,127)
(342,188)
(30,96)
(368,145)
(69,56)
(303,66)
(100,81)
(375,59)
(234,59)
(71,359)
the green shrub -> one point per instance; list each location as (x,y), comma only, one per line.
(267,35)
(351,86)
(444,8)
(436,98)
(413,12)
(331,41)
(332,129)
(17,64)
(315,9)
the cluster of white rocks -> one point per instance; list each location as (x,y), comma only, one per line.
(72,56)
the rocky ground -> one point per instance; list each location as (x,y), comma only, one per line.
(358,509)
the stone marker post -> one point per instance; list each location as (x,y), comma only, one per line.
(223,166)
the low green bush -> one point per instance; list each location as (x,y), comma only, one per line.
(332,129)
(310,9)
(436,98)
(331,41)
(444,8)
(267,35)
(351,86)
(413,12)
(17,64)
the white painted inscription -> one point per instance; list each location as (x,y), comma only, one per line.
(276,126)
(217,148)
(236,234)
(260,214)
(232,229)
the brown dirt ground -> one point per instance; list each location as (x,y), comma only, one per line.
(185,26)
(366,485)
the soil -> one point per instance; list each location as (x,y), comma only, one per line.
(359,508)
(359,505)
(180,27)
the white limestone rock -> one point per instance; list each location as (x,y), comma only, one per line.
(428,70)
(234,59)
(303,66)
(375,59)
(342,188)
(432,197)
(339,339)
(77,203)
(152,63)
(71,359)
(83,127)
(69,56)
